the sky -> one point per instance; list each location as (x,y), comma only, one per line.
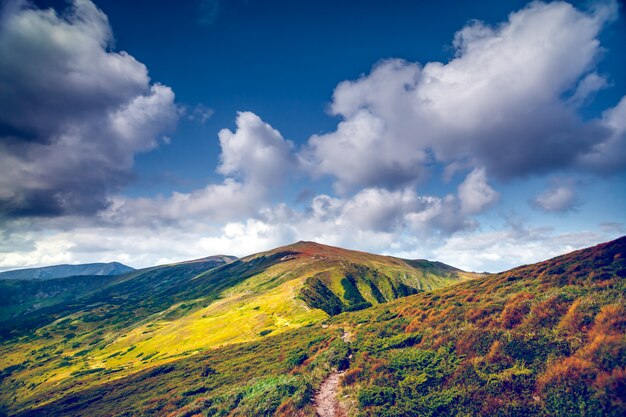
(484,134)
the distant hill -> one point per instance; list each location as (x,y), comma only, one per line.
(156,315)
(214,258)
(62,271)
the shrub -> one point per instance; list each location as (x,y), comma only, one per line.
(566,387)
(195,391)
(376,396)
(264,396)
(338,352)
(611,320)
(606,352)
(296,358)
(612,387)
(534,349)
(574,320)
(516,310)
(207,371)
(351,376)
(547,313)
(160,370)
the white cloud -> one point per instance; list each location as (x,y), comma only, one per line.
(215,203)
(475,194)
(496,251)
(587,87)
(255,151)
(502,104)
(199,113)
(73,113)
(385,213)
(370,147)
(610,155)
(559,198)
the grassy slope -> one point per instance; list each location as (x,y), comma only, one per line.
(162,314)
(64,271)
(22,296)
(48,345)
(547,339)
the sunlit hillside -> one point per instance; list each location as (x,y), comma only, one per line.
(162,314)
(547,339)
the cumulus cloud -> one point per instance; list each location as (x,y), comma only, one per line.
(255,151)
(557,199)
(610,155)
(383,211)
(507,102)
(73,113)
(253,159)
(370,146)
(215,203)
(475,194)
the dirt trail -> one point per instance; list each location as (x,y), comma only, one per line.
(326,403)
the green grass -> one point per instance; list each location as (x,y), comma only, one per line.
(542,340)
(159,315)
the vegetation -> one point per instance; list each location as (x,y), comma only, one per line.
(161,315)
(547,340)
(23,296)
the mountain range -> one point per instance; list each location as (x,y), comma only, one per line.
(64,271)
(260,335)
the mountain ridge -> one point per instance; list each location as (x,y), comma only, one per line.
(67,270)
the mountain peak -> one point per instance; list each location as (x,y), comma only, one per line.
(308,246)
(212,258)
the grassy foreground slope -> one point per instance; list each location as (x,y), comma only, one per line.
(547,339)
(160,315)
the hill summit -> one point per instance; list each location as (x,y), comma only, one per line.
(340,280)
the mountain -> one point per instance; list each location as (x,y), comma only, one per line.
(21,297)
(63,271)
(158,315)
(214,258)
(547,339)
(338,280)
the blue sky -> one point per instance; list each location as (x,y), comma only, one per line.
(483,134)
